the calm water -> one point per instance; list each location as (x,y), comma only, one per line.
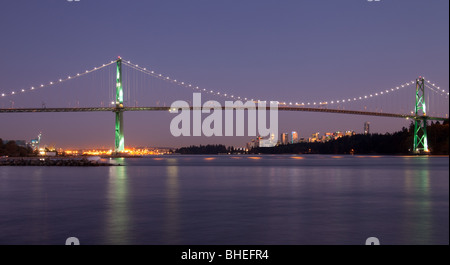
(230,200)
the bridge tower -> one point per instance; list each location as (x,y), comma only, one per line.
(120,140)
(420,125)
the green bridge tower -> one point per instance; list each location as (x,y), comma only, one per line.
(120,140)
(420,125)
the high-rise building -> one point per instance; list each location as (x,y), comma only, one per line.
(284,138)
(366,128)
(294,137)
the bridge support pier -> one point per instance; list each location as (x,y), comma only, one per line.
(120,139)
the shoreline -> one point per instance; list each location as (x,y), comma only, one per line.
(52,162)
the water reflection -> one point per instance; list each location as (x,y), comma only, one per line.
(39,215)
(118,216)
(172,207)
(418,205)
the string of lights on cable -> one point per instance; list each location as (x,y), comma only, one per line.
(52,83)
(429,84)
(432,86)
(181,83)
(317,103)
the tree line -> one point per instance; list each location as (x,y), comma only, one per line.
(13,150)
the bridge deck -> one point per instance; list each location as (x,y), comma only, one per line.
(282,108)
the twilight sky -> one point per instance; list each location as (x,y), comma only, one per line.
(283,49)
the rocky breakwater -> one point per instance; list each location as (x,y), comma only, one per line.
(52,162)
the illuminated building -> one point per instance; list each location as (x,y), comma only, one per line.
(35,143)
(294,137)
(284,138)
(314,138)
(366,128)
(349,133)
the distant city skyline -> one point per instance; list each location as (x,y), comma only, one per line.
(290,50)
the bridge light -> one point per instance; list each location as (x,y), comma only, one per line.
(23,90)
(32,88)
(12,93)
(3,95)
(51,83)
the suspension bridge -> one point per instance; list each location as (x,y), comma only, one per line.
(418,112)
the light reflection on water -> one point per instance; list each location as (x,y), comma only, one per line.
(230,200)
(117,228)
